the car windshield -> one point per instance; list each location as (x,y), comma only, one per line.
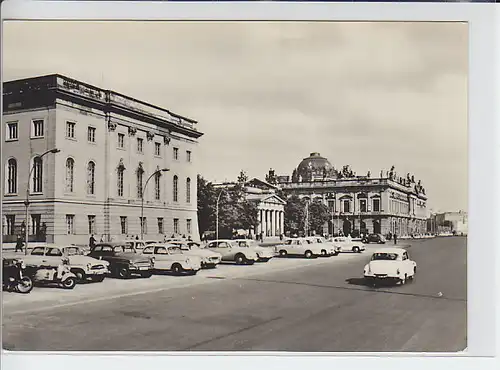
(384,257)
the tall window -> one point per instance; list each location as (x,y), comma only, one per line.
(36,223)
(12,131)
(188,226)
(376,205)
(37,174)
(11,224)
(70,172)
(123,224)
(37,128)
(140,173)
(12,176)
(144,225)
(160,225)
(188,155)
(176,225)
(91,178)
(362,205)
(70,130)
(331,205)
(70,224)
(346,206)
(188,190)
(140,143)
(121,140)
(120,181)
(176,153)
(157,186)
(157,149)
(91,134)
(176,189)
(91,219)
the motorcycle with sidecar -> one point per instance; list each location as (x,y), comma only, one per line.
(14,277)
(46,274)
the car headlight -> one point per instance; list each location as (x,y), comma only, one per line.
(89,266)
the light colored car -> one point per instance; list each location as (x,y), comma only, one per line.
(264,253)
(209,258)
(138,245)
(345,244)
(328,248)
(168,257)
(390,264)
(84,267)
(299,247)
(232,252)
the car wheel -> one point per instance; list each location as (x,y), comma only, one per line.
(336,254)
(308,254)
(80,275)
(283,253)
(239,259)
(176,268)
(69,283)
(323,253)
(123,272)
(355,250)
(25,285)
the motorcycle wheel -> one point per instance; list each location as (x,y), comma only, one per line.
(69,283)
(25,285)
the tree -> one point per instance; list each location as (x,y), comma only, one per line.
(206,205)
(318,215)
(242,178)
(294,215)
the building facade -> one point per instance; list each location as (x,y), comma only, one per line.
(453,222)
(384,204)
(109,146)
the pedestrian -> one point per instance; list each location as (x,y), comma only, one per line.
(91,241)
(19,244)
(137,237)
(281,236)
(395,239)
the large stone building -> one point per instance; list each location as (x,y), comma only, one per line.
(110,144)
(388,203)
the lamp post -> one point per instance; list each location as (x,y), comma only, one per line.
(217,214)
(27,201)
(143,190)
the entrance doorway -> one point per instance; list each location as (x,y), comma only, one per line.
(376,227)
(346,227)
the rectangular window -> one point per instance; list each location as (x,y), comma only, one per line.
(12,131)
(157,186)
(160,225)
(70,224)
(188,226)
(120,182)
(91,219)
(123,224)
(346,206)
(176,153)
(70,130)
(11,224)
(376,205)
(37,128)
(331,205)
(144,225)
(157,149)
(140,143)
(36,223)
(91,134)
(188,155)
(362,205)
(176,225)
(121,140)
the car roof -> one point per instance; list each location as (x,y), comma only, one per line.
(390,250)
(112,244)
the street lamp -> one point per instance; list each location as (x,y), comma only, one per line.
(143,190)
(27,201)
(217,214)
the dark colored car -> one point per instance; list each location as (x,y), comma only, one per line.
(124,261)
(374,238)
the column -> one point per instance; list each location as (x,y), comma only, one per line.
(282,222)
(264,222)
(271,212)
(276,223)
(259,222)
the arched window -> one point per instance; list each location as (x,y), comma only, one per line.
(157,186)
(139,174)
(188,190)
(176,188)
(37,175)
(12,176)
(70,173)
(91,178)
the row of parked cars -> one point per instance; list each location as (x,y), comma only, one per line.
(68,265)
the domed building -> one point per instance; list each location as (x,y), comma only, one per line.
(385,204)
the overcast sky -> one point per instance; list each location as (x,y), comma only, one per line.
(370,95)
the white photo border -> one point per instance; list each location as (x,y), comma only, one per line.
(484,152)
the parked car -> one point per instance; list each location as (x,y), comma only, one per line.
(232,252)
(209,258)
(299,247)
(374,238)
(328,248)
(344,244)
(84,267)
(167,257)
(263,253)
(124,261)
(136,244)
(390,265)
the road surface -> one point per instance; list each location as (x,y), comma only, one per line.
(283,305)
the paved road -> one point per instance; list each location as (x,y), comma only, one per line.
(286,305)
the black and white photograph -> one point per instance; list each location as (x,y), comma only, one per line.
(253,186)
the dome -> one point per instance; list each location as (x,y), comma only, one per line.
(314,166)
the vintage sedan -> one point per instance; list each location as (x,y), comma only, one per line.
(232,252)
(136,244)
(345,244)
(374,238)
(299,247)
(84,267)
(390,265)
(264,253)
(209,258)
(167,257)
(328,248)
(124,261)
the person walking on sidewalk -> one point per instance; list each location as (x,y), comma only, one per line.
(19,244)
(395,239)
(91,241)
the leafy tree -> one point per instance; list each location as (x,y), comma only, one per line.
(318,215)
(294,215)
(242,178)
(206,205)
